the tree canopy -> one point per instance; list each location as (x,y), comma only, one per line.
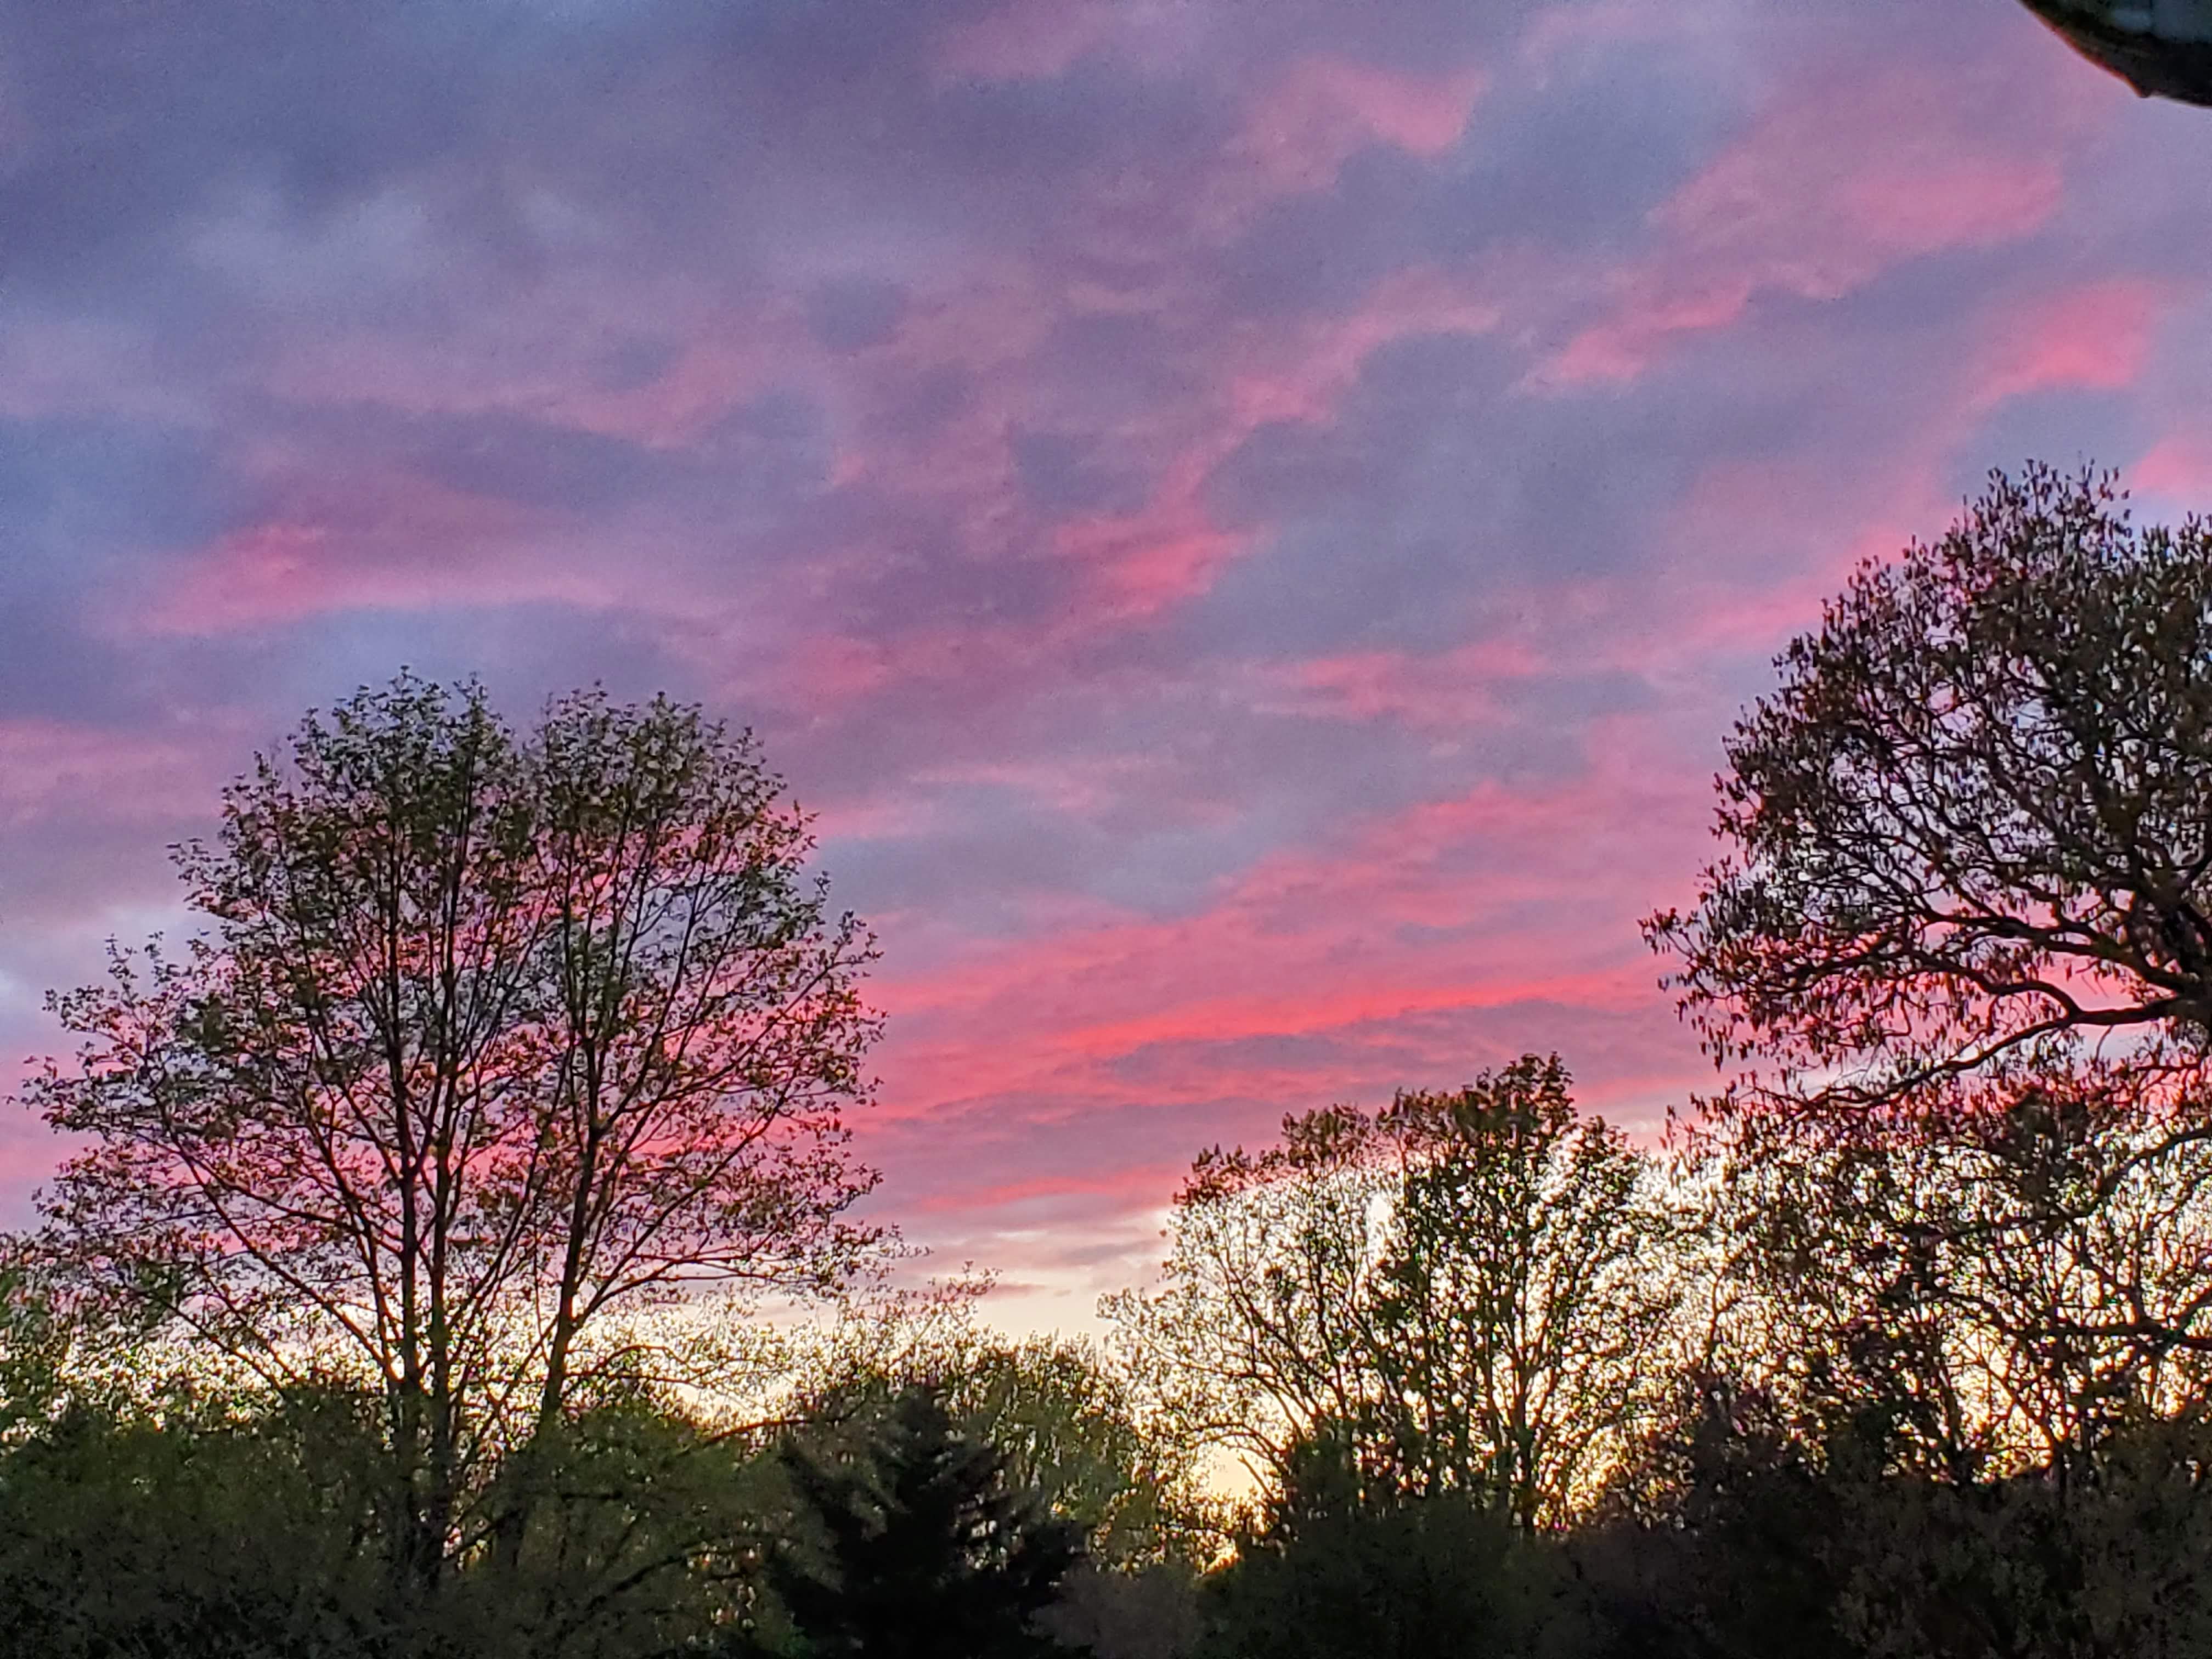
(921,1547)
(1970,823)
(488,1041)
(1465,1290)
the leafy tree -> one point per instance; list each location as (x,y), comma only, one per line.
(40,1364)
(251,1526)
(1956,946)
(924,1550)
(1154,1610)
(1711,1541)
(1070,1427)
(1522,1303)
(1065,1420)
(1070,1431)
(2000,1287)
(488,1043)
(1261,1328)
(1970,820)
(1476,1287)
(648,1534)
(195,1531)
(1751,1533)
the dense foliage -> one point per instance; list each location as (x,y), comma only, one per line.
(916,1547)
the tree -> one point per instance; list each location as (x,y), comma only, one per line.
(1958,945)
(1711,1540)
(1064,1420)
(924,1551)
(192,1530)
(1474,1288)
(649,1535)
(1522,1306)
(1070,1431)
(1337,1570)
(1152,1611)
(488,1044)
(1970,824)
(192,1524)
(1261,1330)
(1070,1422)
(1751,1532)
(2002,1287)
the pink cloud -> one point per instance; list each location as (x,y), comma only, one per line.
(1433,912)
(1452,691)
(1320,112)
(1127,567)
(1126,1188)
(1832,186)
(1139,564)
(1623,346)
(1296,372)
(2179,466)
(1309,1010)
(540,361)
(2096,336)
(341,542)
(397,544)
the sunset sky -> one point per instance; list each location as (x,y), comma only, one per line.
(1247,519)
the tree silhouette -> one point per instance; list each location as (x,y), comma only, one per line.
(1338,1570)
(923,1550)
(1971,821)
(1475,1287)
(1065,1417)
(488,1040)
(1521,1306)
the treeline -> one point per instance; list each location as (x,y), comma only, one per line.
(926,1490)
(1512,1385)
(408,1288)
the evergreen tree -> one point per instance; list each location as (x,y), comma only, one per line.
(924,1552)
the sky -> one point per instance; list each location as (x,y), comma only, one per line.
(1247,520)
